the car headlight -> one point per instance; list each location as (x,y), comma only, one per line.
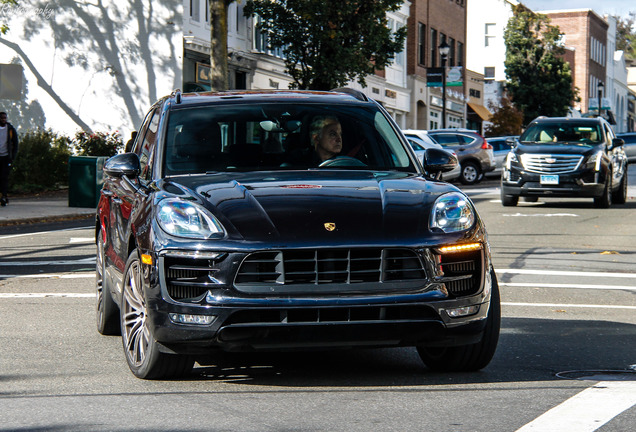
(510,158)
(595,161)
(452,212)
(187,219)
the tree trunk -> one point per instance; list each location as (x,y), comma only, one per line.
(218,44)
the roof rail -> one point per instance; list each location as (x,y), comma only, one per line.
(355,93)
(176,93)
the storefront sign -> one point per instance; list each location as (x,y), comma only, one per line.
(203,73)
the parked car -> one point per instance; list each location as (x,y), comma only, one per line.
(224,230)
(420,146)
(566,157)
(500,147)
(475,154)
(630,145)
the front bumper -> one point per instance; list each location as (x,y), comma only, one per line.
(585,183)
(395,315)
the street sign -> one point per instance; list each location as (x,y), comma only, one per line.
(434,77)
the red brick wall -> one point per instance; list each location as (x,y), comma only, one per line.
(579,27)
(445,16)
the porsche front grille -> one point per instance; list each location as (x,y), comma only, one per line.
(331,266)
(462,272)
(189,278)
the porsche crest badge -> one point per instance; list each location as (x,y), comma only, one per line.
(330,226)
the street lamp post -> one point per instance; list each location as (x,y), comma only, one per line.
(444,50)
(600,95)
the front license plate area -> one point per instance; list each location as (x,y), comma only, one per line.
(549,179)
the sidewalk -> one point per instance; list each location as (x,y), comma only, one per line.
(46,207)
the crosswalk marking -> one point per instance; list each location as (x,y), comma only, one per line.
(588,410)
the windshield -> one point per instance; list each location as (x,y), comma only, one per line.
(559,132)
(255,137)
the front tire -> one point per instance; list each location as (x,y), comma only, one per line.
(605,200)
(620,196)
(106,309)
(471,357)
(140,347)
(508,200)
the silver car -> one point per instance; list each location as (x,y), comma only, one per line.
(501,146)
(419,146)
(475,154)
(630,145)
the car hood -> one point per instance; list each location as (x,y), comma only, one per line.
(315,206)
(558,148)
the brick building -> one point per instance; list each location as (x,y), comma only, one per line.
(585,32)
(430,23)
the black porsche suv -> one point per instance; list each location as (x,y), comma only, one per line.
(282,220)
(566,157)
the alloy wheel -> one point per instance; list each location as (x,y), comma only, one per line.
(135,330)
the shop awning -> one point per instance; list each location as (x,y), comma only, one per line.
(480,110)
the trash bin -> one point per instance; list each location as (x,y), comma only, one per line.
(85,180)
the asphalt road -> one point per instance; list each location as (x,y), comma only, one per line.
(568,280)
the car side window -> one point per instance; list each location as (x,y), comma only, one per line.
(448,139)
(145,146)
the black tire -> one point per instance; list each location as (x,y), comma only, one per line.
(605,200)
(106,309)
(142,351)
(471,173)
(531,199)
(471,357)
(620,195)
(509,200)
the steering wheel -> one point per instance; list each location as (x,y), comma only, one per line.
(342,161)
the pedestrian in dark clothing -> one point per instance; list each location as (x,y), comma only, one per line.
(131,141)
(8,150)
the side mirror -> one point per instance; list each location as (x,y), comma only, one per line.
(438,161)
(617,142)
(126,164)
(512,142)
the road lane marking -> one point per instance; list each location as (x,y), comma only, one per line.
(540,215)
(8,236)
(89,260)
(566,305)
(566,273)
(572,286)
(588,410)
(77,275)
(45,295)
(82,240)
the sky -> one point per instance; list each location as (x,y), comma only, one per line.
(602,7)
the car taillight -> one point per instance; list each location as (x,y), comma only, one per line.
(485,145)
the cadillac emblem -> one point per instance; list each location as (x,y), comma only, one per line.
(330,226)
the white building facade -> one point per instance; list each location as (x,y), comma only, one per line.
(486,54)
(93,66)
(99,67)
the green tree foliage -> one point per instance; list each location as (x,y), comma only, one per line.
(626,36)
(506,118)
(539,79)
(42,162)
(4,27)
(97,143)
(327,43)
